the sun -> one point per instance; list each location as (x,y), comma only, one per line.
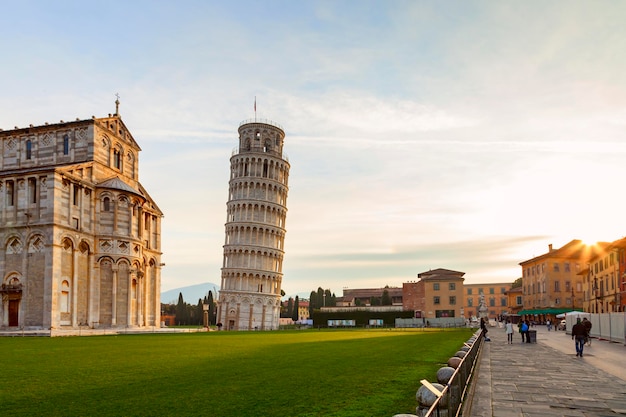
(589,241)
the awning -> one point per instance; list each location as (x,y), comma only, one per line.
(545,311)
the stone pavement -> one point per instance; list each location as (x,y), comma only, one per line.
(547,378)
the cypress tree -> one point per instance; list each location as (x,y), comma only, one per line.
(290,307)
(312,303)
(385,299)
(295,315)
(212,309)
(181,310)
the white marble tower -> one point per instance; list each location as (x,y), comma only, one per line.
(255,229)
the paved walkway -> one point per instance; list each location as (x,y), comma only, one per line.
(547,379)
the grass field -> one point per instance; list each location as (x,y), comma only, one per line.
(288,373)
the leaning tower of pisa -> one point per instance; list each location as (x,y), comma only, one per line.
(255,229)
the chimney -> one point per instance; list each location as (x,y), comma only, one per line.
(550,247)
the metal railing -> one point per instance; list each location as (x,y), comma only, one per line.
(264,121)
(455,391)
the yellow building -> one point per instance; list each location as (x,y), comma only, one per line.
(601,283)
(552,283)
(443,293)
(514,300)
(495,296)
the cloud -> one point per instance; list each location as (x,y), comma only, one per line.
(462,135)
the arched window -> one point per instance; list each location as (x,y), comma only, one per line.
(29,149)
(106,204)
(10,187)
(65,297)
(66,145)
(32,190)
(117,159)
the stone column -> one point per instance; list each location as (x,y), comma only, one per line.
(114,296)
(89,287)
(140,295)
(129,309)
(263,317)
(74,287)
(94,292)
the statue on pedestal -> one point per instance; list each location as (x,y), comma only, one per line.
(482,308)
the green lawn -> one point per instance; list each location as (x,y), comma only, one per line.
(286,373)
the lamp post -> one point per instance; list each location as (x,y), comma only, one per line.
(595,293)
(205,309)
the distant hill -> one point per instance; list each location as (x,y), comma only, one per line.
(191,294)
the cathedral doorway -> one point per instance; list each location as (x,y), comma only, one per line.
(14,308)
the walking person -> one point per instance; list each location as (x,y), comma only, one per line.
(508,328)
(525,329)
(549,324)
(578,333)
(520,325)
(483,327)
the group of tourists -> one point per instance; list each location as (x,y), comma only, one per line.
(523,327)
(580,332)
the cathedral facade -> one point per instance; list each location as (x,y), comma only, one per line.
(255,229)
(80,238)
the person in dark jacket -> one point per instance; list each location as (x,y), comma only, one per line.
(526,331)
(578,333)
(483,327)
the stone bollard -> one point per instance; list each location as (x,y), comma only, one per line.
(426,398)
(454,362)
(444,374)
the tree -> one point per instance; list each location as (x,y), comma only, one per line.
(320,297)
(385,299)
(329,299)
(517,283)
(212,309)
(181,310)
(198,313)
(312,303)
(295,316)
(290,307)
(169,309)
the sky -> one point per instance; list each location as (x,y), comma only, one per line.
(465,135)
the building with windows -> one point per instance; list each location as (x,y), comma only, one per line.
(80,238)
(303,309)
(515,302)
(367,297)
(255,229)
(494,294)
(437,293)
(604,280)
(552,283)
